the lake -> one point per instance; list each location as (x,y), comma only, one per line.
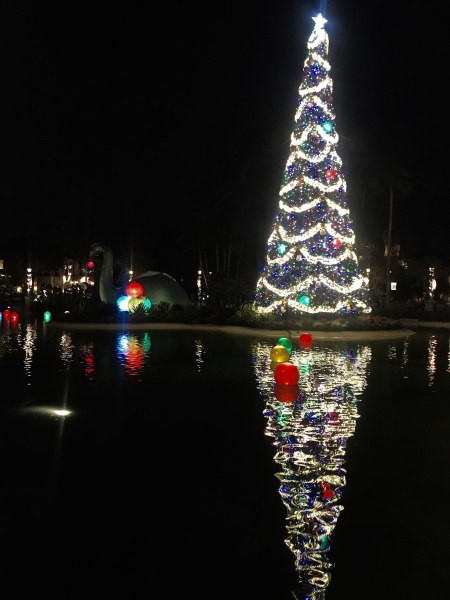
(167,462)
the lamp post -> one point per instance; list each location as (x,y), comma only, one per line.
(388,249)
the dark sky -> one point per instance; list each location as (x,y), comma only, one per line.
(165,122)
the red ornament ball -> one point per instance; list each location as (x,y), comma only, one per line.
(6,314)
(286,393)
(287,373)
(330,174)
(305,340)
(336,243)
(134,289)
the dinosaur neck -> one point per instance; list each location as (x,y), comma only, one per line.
(108,292)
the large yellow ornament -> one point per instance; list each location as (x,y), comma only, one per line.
(136,304)
(279,354)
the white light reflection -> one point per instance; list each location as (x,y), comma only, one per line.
(392,354)
(310,435)
(405,353)
(66,349)
(199,352)
(448,357)
(29,346)
(431,364)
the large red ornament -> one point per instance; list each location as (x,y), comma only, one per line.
(330,174)
(286,393)
(134,289)
(6,314)
(305,340)
(287,373)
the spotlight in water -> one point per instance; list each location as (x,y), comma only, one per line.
(62,413)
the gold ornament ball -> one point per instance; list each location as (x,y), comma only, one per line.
(136,303)
(279,354)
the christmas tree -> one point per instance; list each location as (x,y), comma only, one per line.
(311,264)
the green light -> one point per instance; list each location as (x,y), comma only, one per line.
(47,316)
(281,248)
(304,300)
(327,126)
(324,542)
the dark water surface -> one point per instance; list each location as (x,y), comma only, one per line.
(173,471)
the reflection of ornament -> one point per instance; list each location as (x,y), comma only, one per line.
(286,393)
(287,373)
(336,243)
(14,318)
(273,365)
(330,174)
(279,353)
(333,418)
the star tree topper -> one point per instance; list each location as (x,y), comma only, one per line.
(319,21)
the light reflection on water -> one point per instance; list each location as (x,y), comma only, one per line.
(307,437)
(310,435)
(133,352)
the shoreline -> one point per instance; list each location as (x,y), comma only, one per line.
(366,335)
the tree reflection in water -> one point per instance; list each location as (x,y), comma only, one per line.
(310,431)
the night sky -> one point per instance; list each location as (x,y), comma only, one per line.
(161,127)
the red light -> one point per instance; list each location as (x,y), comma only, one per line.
(134,289)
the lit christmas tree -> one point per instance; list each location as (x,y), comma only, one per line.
(311,265)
